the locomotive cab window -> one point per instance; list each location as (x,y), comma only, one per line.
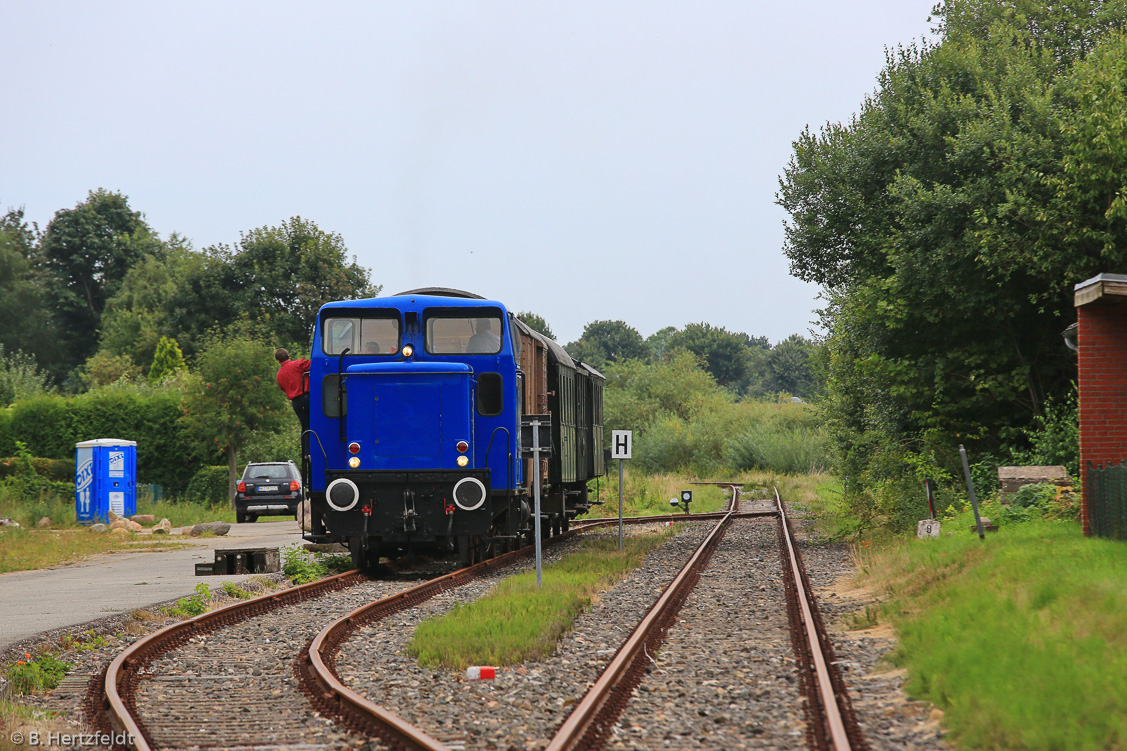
(367,337)
(490,399)
(464,334)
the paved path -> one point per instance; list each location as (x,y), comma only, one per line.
(35,601)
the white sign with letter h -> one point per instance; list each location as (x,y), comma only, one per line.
(622,443)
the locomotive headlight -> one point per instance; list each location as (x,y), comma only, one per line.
(354,462)
(463,461)
(408,351)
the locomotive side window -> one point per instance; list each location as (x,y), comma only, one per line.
(464,335)
(330,396)
(490,400)
(368,336)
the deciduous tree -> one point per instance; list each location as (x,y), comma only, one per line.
(231,396)
(536,323)
(607,342)
(86,252)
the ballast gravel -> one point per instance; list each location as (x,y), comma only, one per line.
(890,720)
(725,676)
(235,687)
(522,707)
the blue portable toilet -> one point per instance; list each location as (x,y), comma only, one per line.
(105,479)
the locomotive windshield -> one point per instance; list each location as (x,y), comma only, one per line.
(464,335)
(366,336)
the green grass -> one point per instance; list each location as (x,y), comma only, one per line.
(1021,639)
(648,495)
(517,621)
(301,567)
(28,549)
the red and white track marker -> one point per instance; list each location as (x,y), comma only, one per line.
(479,673)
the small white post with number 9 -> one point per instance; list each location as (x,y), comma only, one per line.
(621,447)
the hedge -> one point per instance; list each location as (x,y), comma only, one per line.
(51,425)
(209,485)
(59,470)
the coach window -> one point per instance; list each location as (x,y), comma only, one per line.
(489,394)
(464,335)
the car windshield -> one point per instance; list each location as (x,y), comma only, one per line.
(276,472)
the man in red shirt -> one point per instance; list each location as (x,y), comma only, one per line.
(293,380)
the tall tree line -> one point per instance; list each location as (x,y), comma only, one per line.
(948,222)
(92,295)
(745,365)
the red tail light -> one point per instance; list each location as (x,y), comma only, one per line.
(295,486)
(242,486)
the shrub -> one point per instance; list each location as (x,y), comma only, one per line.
(776,449)
(193,605)
(208,486)
(59,470)
(33,676)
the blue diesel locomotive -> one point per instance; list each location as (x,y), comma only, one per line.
(414,445)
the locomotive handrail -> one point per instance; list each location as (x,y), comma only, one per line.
(489,448)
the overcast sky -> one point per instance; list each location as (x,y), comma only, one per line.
(582,160)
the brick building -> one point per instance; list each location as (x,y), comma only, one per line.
(1101,336)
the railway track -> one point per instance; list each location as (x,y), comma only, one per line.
(200,687)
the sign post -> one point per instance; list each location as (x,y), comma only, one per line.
(537,431)
(622,445)
(970,492)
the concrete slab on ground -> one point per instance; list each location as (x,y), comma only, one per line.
(32,602)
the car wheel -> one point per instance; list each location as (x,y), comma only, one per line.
(241,517)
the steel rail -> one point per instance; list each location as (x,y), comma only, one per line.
(116,705)
(591,720)
(114,708)
(316,669)
(834,724)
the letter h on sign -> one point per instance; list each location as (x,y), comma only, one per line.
(621,442)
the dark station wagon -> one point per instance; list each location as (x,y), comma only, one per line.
(268,489)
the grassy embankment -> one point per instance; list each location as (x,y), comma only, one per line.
(28,547)
(518,621)
(1020,638)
